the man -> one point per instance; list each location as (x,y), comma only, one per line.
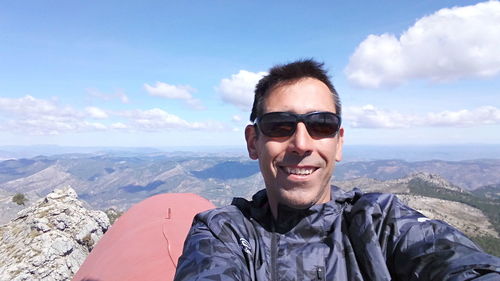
(300,228)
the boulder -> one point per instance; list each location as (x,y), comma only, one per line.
(51,239)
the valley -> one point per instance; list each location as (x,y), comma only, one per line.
(439,189)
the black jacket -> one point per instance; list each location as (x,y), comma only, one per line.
(355,236)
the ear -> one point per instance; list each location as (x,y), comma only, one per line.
(340,144)
(251,138)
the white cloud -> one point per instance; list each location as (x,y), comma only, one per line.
(29,106)
(157,119)
(95,125)
(369,116)
(96,113)
(169,91)
(239,89)
(123,97)
(447,45)
(195,103)
(484,115)
(181,92)
(107,97)
(32,116)
(40,117)
(118,125)
(236,118)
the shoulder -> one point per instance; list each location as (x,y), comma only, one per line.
(218,217)
(388,218)
(381,204)
(212,247)
(376,203)
(356,197)
(219,213)
(385,213)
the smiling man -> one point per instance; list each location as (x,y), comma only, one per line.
(296,159)
(301,228)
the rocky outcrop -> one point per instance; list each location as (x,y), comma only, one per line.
(467,219)
(435,180)
(51,239)
(397,186)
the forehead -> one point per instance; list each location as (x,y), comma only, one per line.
(300,96)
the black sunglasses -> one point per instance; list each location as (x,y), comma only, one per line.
(283,124)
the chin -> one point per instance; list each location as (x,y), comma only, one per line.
(298,202)
(303,198)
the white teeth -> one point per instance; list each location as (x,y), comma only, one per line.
(299,171)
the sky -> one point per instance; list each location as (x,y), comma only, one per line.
(182,73)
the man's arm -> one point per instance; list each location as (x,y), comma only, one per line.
(433,250)
(413,247)
(211,252)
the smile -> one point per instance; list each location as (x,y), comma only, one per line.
(301,171)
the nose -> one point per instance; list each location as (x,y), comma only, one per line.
(301,143)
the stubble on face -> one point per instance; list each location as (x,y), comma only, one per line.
(297,170)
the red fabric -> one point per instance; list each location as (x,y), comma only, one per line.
(145,242)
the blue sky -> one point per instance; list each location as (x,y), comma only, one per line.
(181,73)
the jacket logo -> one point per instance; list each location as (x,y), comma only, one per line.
(245,245)
(422,219)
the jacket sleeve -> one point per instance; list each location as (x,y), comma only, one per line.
(432,250)
(211,252)
(394,242)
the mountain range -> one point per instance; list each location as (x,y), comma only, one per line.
(463,193)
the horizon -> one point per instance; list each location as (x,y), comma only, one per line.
(165,74)
(351,153)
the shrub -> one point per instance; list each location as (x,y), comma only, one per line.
(490,244)
(113,214)
(19,199)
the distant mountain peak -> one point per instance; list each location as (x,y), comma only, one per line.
(435,180)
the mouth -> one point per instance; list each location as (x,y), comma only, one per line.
(299,171)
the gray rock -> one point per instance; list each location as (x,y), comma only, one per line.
(50,239)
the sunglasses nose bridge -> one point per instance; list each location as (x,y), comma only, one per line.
(300,142)
(300,118)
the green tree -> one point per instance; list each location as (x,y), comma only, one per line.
(19,199)
(490,244)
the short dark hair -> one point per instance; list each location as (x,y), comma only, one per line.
(289,73)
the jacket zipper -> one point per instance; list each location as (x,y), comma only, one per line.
(320,273)
(274,255)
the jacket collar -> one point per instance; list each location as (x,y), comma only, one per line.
(289,218)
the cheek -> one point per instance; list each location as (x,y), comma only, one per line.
(270,152)
(328,151)
(271,149)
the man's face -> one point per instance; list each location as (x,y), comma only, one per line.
(296,169)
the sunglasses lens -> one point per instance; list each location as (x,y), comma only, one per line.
(278,124)
(322,124)
(284,124)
